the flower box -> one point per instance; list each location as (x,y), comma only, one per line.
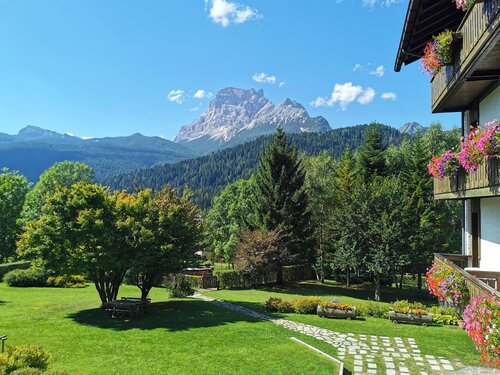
(423,319)
(327,312)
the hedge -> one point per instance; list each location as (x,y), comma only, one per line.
(7,267)
(234,279)
(26,278)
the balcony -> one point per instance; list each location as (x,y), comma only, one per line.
(484,182)
(476,65)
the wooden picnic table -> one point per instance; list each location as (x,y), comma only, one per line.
(126,307)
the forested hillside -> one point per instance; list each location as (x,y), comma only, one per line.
(208,174)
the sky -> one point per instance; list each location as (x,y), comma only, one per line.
(116,67)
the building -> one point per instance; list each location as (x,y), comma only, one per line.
(470,85)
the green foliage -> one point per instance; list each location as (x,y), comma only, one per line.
(306,305)
(444,315)
(66,281)
(13,190)
(180,286)
(7,267)
(374,309)
(207,175)
(61,174)
(371,155)
(280,202)
(227,217)
(26,278)
(194,281)
(278,305)
(27,371)
(163,230)
(21,357)
(78,232)
(297,273)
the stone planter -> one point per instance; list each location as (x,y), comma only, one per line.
(423,319)
(326,312)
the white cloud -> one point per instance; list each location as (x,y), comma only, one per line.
(344,94)
(389,96)
(378,72)
(282,83)
(70,134)
(176,96)
(367,96)
(225,12)
(264,78)
(200,94)
(356,67)
(383,3)
(85,137)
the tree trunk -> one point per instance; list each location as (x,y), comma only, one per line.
(348,278)
(401,280)
(376,279)
(279,277)
(419,282)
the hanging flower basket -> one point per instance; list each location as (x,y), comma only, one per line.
(439,51)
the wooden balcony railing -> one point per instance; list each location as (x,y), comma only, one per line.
(484,182)
(477,28)
(477,287)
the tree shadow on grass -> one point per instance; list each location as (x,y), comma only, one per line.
(175,315)
(363,292)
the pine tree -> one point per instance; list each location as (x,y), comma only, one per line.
(371,155)
(280,201)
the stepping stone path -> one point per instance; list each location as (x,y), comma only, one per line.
(366,350)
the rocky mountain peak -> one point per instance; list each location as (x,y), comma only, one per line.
(412,128)
(241,114)
(31,131)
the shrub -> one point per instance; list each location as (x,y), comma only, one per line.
(26,278)
(66,281)
(179,287)
(374,309)
(7,267)
(306,305)
(444,315)
(297,273)
(278,305)
(194,281)
(405,307)
(23,356)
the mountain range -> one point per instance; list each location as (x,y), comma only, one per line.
(33,150)
(234,116)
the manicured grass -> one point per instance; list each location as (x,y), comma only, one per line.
(181,336)
(448,341)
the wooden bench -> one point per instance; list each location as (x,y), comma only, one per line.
(125,308)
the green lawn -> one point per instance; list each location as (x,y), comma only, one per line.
(448,341)
(182,336)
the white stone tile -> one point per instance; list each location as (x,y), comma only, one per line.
(448,367)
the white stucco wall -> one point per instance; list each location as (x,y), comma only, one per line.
(467,236)
(489,108)
(490,234)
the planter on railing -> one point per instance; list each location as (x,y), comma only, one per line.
(328,312)
(422,319)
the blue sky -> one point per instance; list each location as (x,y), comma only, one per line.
(106,68)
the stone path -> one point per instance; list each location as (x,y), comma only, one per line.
(395,353)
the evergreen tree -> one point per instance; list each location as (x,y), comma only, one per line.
(371,155)
(280,202)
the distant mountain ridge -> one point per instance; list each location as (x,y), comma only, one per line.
(236,116)
(34,149)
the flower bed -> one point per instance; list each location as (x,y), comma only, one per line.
(337,310)
(415,312)
(482,321)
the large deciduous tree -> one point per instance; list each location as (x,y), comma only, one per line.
(280,200)
(78,232)
(13,190)
(165,231)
